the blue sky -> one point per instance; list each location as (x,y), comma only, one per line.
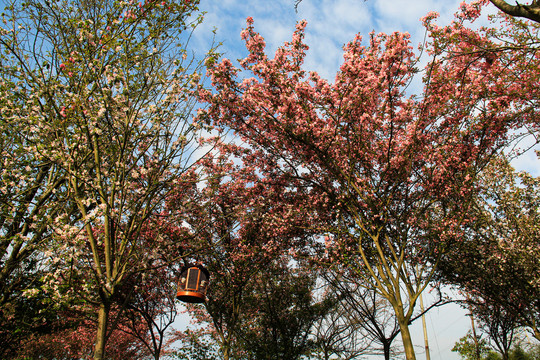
(331,24)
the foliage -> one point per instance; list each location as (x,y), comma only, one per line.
(101,187)
(499,265)
(285,312)
(243,225)
(468,349)
(24,318)
(195,346)
(390,176)
(73,336)
(151,311)
(272,319)
(97,94)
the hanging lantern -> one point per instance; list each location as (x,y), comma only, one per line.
(193,284)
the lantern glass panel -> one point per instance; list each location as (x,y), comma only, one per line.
(192,285)
(193,279)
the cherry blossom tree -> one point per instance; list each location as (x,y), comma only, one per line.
(151,311)
(73,338)
(498,266)
(495,263)
(506,48)
(396,172)
(101,92)
(242,226)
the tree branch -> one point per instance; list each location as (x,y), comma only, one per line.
(531,12)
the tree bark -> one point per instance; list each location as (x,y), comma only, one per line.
(531,12)
(103,320)
(386,350)
(406,338)
(226,352)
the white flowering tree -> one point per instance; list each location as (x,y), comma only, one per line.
(97,95)
(31,194)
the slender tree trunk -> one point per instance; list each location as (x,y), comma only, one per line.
(226,353)
(406,338)
(403,322)
(386,350)
(103,320)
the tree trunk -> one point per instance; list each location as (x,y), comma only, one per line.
(406,338)
(386,350)
(103,319)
